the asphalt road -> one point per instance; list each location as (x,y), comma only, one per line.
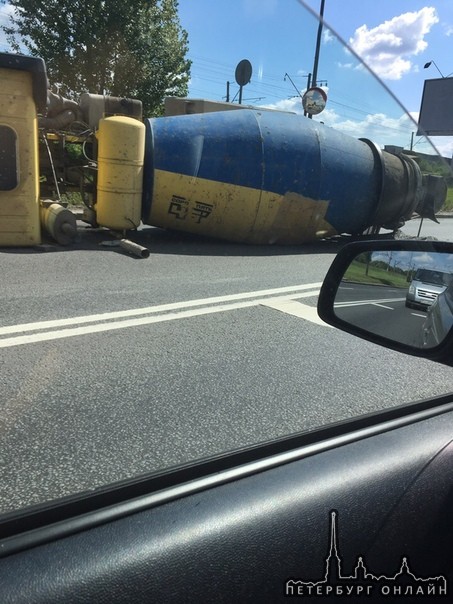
(381,310)
(113,367)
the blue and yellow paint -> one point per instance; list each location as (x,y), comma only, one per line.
(257,177)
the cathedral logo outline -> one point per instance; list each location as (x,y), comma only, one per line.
(362,582)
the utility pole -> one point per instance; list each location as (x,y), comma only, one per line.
(314,80)
(318,44)
(308,88)
(308,76)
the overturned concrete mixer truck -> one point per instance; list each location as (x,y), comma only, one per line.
(249,175)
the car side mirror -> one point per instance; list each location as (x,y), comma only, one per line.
(398,294)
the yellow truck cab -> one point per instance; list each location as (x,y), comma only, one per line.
(22,95)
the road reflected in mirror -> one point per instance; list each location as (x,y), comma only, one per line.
(404,296)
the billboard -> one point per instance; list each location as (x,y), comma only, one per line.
(436,111)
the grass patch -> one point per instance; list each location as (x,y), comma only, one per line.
(72,198)
(448,205)
(376,276)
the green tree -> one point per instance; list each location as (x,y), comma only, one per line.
(133,48)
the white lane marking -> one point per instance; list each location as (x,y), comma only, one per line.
(10,329)
(414,314)
(383,306)
(362,302)
(297,309)
(114,325)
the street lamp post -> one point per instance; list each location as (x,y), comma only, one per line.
(426,65)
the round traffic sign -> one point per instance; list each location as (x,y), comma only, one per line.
(243,72)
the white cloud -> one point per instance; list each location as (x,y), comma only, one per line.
(293,104)
(259,9)
(424,259)
(378,127)
(444,144)
(327,36)
(345,65)
(6,13)
(389,47)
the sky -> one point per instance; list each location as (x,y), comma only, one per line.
(395,38)
(413,260)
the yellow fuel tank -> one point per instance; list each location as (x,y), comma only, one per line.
(120,172)
(23,79)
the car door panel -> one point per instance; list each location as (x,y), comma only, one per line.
(241,540)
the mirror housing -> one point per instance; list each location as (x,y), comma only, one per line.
(368,292)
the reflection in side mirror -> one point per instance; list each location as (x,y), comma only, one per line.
(405,296)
